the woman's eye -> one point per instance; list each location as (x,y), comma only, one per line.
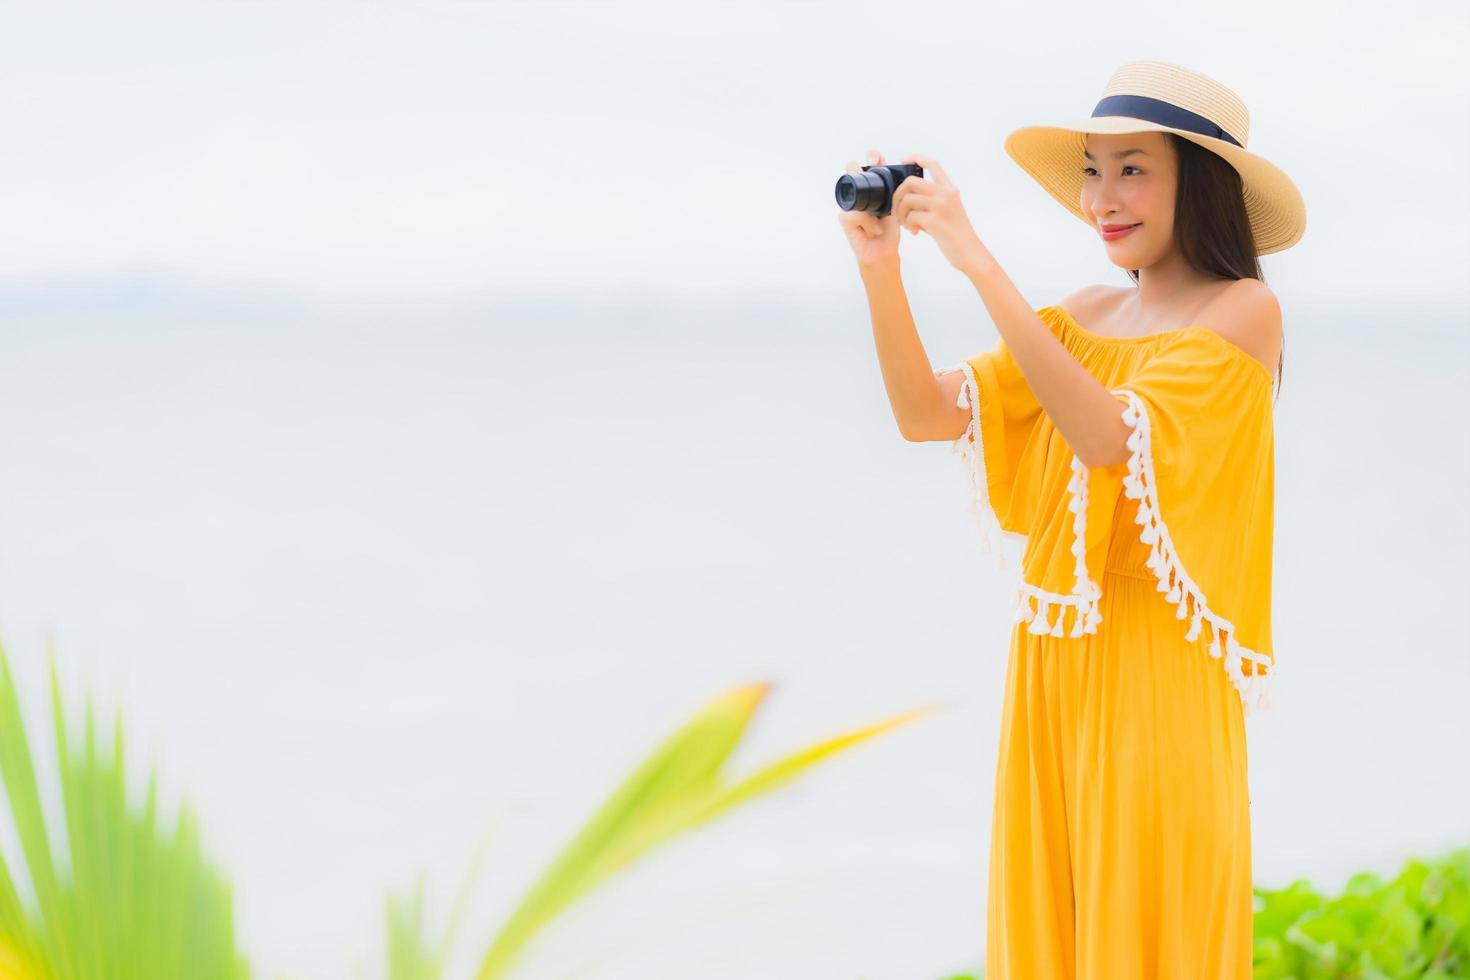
(1090,172)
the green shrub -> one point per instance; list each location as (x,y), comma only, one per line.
(1416,925)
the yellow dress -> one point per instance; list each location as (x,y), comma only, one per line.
(1120,842)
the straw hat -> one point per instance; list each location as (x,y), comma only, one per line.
(1156,97)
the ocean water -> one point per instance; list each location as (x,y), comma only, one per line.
(368,587)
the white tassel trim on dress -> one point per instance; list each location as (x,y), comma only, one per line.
(1085,616)
(1180,589)
(971,451)
(1086,593)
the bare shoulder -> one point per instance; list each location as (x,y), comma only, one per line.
(1090,304)
(1248,315)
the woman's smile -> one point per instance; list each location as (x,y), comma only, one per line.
(1111,233)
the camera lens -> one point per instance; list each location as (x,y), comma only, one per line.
(864,191)
(846,192)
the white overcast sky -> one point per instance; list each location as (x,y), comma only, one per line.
(452,152)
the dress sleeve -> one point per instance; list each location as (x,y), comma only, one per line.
(1200,473)
(1004,417)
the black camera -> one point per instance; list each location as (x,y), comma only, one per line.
(872,190)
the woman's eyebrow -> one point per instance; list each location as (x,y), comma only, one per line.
(1119,155)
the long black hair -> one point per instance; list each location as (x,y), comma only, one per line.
(1211,228)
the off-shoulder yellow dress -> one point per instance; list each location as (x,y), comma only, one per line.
(1120,843)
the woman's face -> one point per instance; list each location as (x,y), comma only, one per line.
(1133,189)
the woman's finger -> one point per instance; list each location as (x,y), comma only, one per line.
(903,190)
(909,185)
(916,206)
(859,219)
(901,206)
(931,166)
(911,202)
(913,183)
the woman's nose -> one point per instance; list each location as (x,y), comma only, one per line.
(1100,210)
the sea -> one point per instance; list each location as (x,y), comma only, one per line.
(373,587)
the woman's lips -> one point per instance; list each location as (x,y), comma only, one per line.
(1110,236)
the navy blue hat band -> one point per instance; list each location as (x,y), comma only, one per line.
(1163,113)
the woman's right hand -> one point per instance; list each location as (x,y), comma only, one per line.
(873,239)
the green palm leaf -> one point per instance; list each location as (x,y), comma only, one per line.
(678,787)
(133,901)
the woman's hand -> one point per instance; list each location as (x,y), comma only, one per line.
(932,204)
(874,240)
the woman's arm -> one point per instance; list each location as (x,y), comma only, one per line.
(913,391)
(1086,413)
(950,423)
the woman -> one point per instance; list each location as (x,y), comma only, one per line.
(1120,445)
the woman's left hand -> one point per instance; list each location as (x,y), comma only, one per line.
(932,203)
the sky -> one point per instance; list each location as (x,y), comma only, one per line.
(448,154)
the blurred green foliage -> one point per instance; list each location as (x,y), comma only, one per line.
(125,898)
(680,786)
(1416,925)
(122,896)
(108,892)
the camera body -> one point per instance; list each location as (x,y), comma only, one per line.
(872,190)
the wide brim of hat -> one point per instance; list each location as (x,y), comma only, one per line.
(1052,155)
